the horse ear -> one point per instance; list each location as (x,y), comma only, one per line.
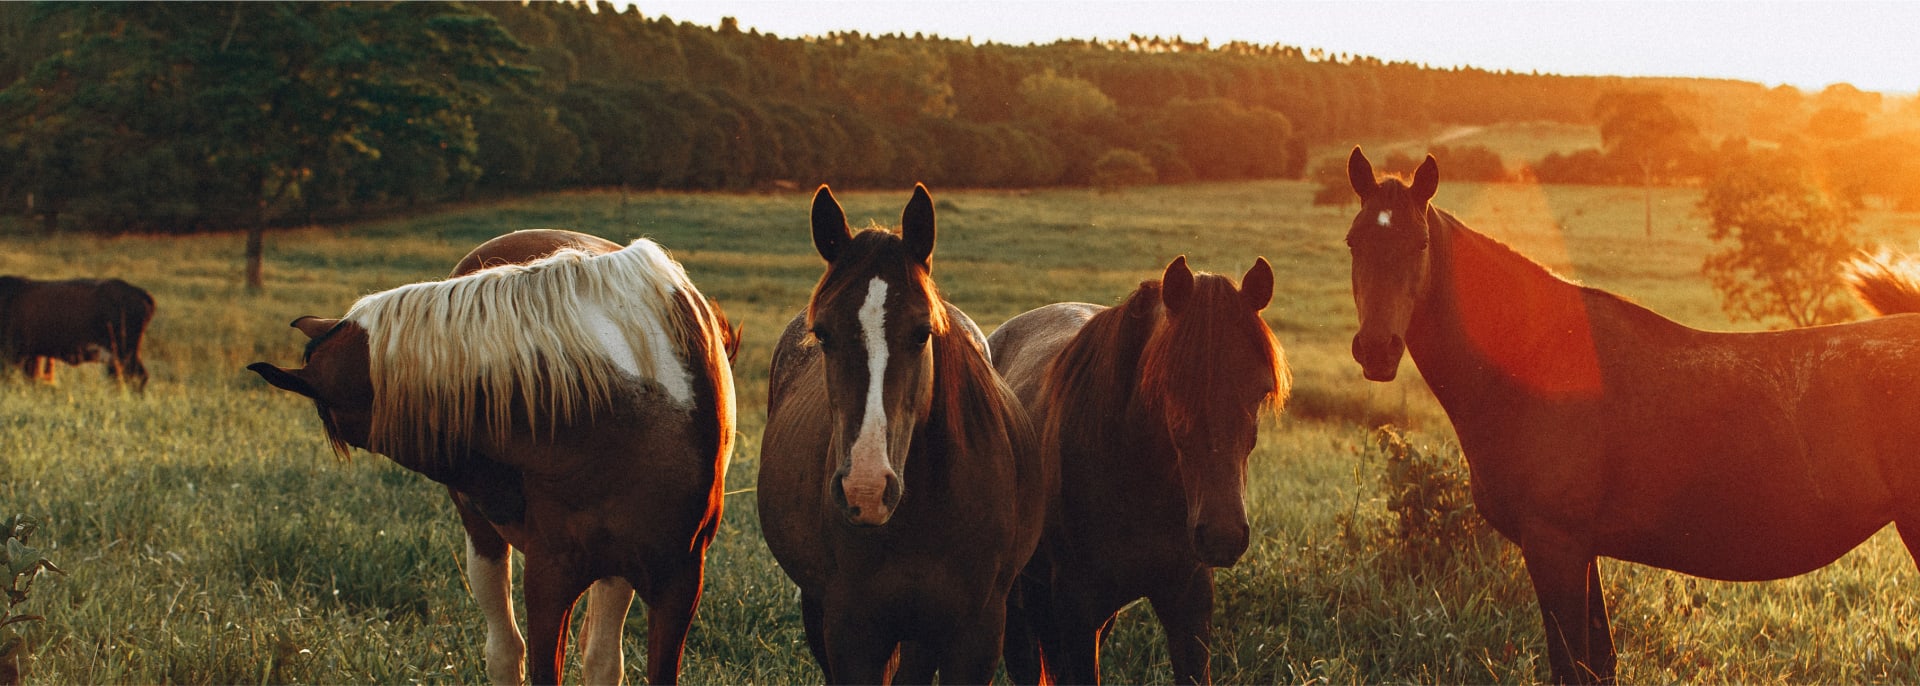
(829,224)
(1176,285)
(916,225)
(1256,288)
(1360,173)
(286,380)
(1426,180)
(314,327)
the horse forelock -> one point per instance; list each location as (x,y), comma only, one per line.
(557,335)
(1193,356)
(877,253)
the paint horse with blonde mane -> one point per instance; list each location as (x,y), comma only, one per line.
(575,399)
(1594,427)
(1150,409)
(899,486)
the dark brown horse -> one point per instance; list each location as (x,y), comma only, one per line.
(1595,427)
(899,487)
(575,398)
(1150,409)
(74,321)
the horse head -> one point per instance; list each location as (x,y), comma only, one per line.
(1209,369)
(336,378)
(873,314)
(1389,240)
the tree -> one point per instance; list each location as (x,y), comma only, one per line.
(263,99)
(1641,128)
(1784,239)
(1121,167)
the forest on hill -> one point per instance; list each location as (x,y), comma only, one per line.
(178,117)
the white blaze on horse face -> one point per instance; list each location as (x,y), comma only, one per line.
(1386,217)
(870,446)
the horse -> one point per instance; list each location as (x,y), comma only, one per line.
(74,321)
(1594,427)
(1150,409)
(576,400)
(898,482)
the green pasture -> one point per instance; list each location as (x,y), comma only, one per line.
(210,537)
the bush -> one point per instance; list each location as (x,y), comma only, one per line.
(22,564)
(1120,167)
(1429,497)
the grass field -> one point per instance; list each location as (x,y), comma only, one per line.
(211,538)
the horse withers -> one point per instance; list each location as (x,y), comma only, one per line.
(1151,409)
(74,321)
(899,486)
(1596,427)
(575,398)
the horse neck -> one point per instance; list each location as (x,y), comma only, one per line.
(1490,319)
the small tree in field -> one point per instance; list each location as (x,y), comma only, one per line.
(1784,239)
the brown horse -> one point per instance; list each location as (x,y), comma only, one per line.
(575,399)
(1595,427)
(74,321)
(1150,408)
(898,482)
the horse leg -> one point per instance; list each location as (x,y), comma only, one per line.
(974,651)
(919,660)
(1561,569)
(1070,646)
(857,651)
(1026,623)
(810,619)
(671,601)
(601,661)
(1600,655)
(551,590)
(1186,615)
(490,576)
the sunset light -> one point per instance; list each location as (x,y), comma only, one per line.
(1806,44)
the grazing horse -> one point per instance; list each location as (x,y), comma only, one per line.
(1150,409)
(74,321)
(898,482)
(1594,427)
(576,400)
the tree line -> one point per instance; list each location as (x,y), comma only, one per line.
(180,117)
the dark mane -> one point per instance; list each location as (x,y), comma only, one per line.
(1184,381)
(1501,250)
(1102,362)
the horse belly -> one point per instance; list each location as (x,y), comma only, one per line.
(1722,539)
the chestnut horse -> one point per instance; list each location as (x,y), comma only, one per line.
(898,482)
(575,398)
(1150,409)
(1595,427)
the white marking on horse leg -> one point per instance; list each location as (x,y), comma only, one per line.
(607,604)
(492,584)
(1386,217)
(866,479)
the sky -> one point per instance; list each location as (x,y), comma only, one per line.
(1810,45)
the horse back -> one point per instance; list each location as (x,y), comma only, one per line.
(1025,346)
(521,247)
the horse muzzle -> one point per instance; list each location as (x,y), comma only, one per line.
(1379,356)
(867,497)
(1221,545)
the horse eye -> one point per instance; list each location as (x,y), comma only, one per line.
(921,334)
(820,335)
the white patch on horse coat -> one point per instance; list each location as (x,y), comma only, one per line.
(1386,217)
(607,604)
(871,443)
(668,369)
(492,584)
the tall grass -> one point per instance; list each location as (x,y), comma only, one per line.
(211,538)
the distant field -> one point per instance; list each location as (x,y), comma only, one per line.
(211,538)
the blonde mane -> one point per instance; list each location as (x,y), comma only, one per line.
(451,358)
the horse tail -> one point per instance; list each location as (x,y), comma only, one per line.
(1886,282)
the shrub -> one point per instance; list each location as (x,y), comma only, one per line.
(22,564)
(1120,167)
(1428,495)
